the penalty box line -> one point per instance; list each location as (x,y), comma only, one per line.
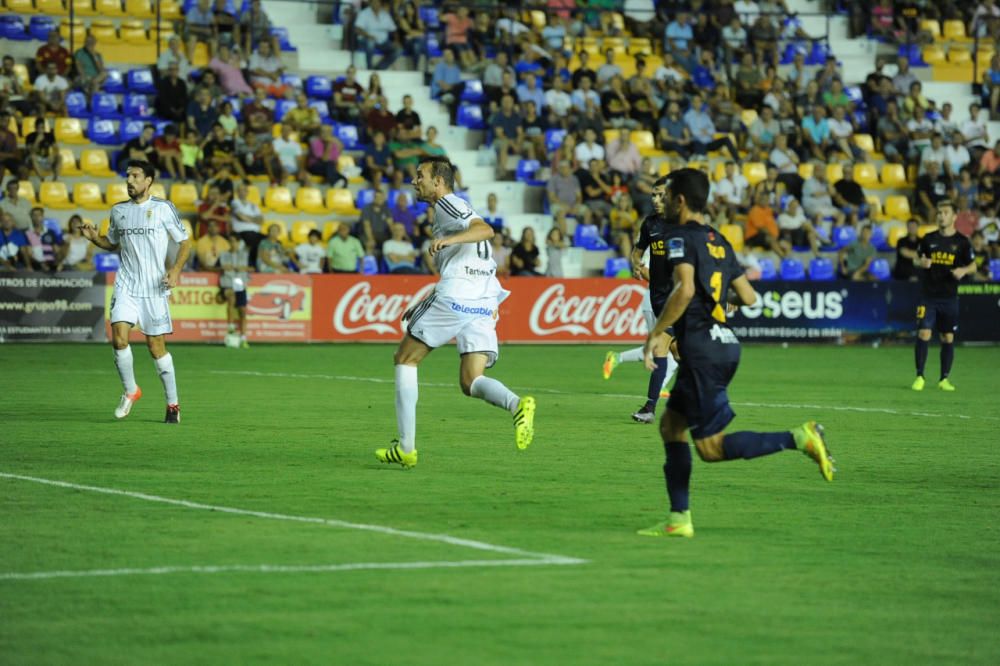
(519,557)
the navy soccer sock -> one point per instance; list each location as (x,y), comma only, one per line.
(749,444)
(921,355)
(656,383)
(677,472)
(947,358)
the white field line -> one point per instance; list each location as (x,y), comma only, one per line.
(628,396)
(522,555)
(284,568)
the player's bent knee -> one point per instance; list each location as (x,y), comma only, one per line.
(710,448)
(924,334)
(947,338)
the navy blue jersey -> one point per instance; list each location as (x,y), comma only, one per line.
(654,234)
(702,332)
(946,253)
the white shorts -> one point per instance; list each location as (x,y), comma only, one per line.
(473,324)
(151,314)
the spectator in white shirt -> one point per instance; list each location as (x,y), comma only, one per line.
(841,131)
(585,92)
(608,70)
(558,100)
(748,11)
(374,27)
(956,154)
(945,124)
(589,149)
(310,255)
(50,90)
(290,153)
(783,157)
(265,70)
(975,133)
(399,254)
(936,152)
(733,191)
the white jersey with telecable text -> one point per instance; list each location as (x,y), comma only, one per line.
(467,270)
(142,232)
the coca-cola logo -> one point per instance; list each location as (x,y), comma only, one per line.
(359,311)
(617,313)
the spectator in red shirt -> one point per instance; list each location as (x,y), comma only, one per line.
(213,209)
(380,119)
(456,35)
(168,148)
(347,97)
(53,51)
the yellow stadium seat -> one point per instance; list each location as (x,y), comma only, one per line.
(610,135)
(27,126)
(70,130)
(279,200)
(51,7)
(105,225)
(639,45)
(83,8)
(834,172)
(748,116)
(933,54)
(85,195)
(959,56)
(68,166)
(95,163)
(158,190)
(300,231)
(734,234)
(21,72)
(188,228)
(954,30)
(932,26)
(616,44)
(134,35)
(310,200)
(897,207)
(754,172)
(184,196)
(537,18)
(664,168)
(875,206)
(895,233)
(200,57)
(645,142)
(78,29)
(253,196)
(139,9)
(109,8)
(340,202)
(56,195)
(329,229)
(26,191)
(925,229)
(283,236)
(865,143)
(170,9)
(806,170)
(893,175)
(866,175)
(719,172)
(116,192)
(20,7)
(617,21)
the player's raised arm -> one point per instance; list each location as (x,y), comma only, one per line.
(91,233)
(477,231)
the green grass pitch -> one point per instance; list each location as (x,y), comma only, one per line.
(895,562)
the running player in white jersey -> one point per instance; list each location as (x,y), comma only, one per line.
(141,230)
(464,305)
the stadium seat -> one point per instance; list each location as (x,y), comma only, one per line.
(115,82)
(880,239)
(617,267)
(734,234)
(754,172)
(55,195)
(879,269)
(429,15)
(866,175)
(874,207)
(20,7)
(281,107)
(329,229)
(925,229)
(13,28)
(310,200)
(68,167)
(141,81)
(134,35)
(365,197)
(527,170)
(792,269)
(472,91)
(78,30)
(279,200)
(130,128)
(954,30)
(136,105)
(184,196)
(806,170)
(301,229)
(893,175)
(109,8)
(767,269)
(106,262)
(322,108)
(646,143)
(76,104)
(26,191)
(292,80)
(470,116)
(821,268)
(588,236)
(116,193)
(933,54)
(340,202)
(433,46)
(40,26)
(897,207)
(281,34)
(369,265)
(95,163)
(554,139)
(103,132)
(834,172)
(995,270)
(639,45)
(104,105)
(283,236)
(348,135)
(85,195)
(104,32)
(664,168)
(931,26)
(83,7)
(844,236)
(895,233)
(959,56)
(719,172)
(253,196)
(319,87)
(157,190)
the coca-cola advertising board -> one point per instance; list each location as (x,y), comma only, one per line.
(369,308)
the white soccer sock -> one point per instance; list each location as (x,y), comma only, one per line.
(165,366)
(494,392)
(406,406)
(672,366)
(123,361)
(631,356)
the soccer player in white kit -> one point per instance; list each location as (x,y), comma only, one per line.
(141,230)
(464,305)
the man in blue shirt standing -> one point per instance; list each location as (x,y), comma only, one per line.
(446,83)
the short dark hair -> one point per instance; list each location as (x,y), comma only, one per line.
(39,209)
(315,232)
(441,167)
(661,181)
(693,185)
(147,169)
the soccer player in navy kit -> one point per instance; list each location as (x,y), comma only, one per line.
(704,268)
(946,257)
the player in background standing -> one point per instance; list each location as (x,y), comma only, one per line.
(704,268)
(234,281)
(464,305)
(651,242)
(141,230)
(946,257)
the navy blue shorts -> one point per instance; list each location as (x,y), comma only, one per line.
(940,314)
(241,298)
(700,395)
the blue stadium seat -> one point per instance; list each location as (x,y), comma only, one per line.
(767,270)
(588,236)
(319,87)
(235,101)
(348,135)
(369,265)
(104,105)
(429,15)
(40,26)
(879,269)
(115,83)
(136,105)
(162,125)
(293,80)
(788,55)
(106,262)
(913,53)
(282,35)
(821,268)
(281,107)
(880,239)
(473,91)
(995,270)
(792,269)
(103,132)
(130,128)
(364,198)
(322,108)
(553,139)
(53,225)
(471,116)
(434,47)
(76,104)
(844,236)
(141,81)
(527,170)
(13,28)
(854,94)
(616,265)
(818,54)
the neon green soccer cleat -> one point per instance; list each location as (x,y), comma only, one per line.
(678,525)
(809,439)
(610,363)
(918,384)
(395,454)
(945,385)
(524,423)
